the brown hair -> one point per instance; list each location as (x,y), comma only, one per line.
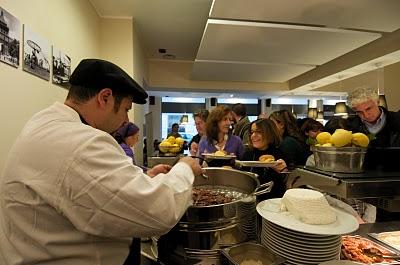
(310,125)
(215,116)
(289,122)
(269,131)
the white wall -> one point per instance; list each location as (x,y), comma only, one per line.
(70,25)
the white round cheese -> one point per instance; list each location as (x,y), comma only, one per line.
(309,206)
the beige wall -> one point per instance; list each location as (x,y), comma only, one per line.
(120,44)
(70,25)
(392,86)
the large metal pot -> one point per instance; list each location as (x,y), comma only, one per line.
(238,182)
(204,230)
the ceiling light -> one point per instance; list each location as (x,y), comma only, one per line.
(382,101)
(168,56)
(340,109)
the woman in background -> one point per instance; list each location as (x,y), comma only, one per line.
(127,136)
(265,140)
(218,136)
(310,129)
(293,144)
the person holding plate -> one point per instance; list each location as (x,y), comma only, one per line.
(264,142)
(218,139)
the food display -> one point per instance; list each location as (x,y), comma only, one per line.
(390,238)
(342,138)
(309,206)
(206,197)
(267,158)
(171,145)
(360,249)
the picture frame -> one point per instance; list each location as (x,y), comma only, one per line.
(36,56)
(61,68)
(10,38)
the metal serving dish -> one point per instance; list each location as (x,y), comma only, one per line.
(250,251)
(340,159)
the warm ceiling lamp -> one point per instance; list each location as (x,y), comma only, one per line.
(382,101)
(184,119)
(340,109)
(320,115)
(312,113)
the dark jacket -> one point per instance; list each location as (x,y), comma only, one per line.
(242,129)
(388,136)
(267,174)
(296,152)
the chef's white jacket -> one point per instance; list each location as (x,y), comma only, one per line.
(69,195)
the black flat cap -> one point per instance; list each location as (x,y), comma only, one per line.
(96,73)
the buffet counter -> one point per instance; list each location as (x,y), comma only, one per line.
(381,189)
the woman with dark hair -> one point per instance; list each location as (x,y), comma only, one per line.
(293,145)
(264,139)
(218,137)
(310,129)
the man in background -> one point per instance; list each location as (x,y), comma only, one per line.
(382,127)
(200,118)
(242,122)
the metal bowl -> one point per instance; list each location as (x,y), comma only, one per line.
(340,159)
(251,251)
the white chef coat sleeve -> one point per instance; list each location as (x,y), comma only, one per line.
(104,194)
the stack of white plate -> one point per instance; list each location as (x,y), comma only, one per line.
(248,216)
(301,243)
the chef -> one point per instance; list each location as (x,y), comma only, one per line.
(70,195)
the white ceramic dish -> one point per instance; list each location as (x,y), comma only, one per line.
(270,210)
(209,156)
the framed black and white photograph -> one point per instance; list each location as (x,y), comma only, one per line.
(36,54)
(61,68)
(10,34)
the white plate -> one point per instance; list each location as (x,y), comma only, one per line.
(208,156)
(270,210)
(256,163)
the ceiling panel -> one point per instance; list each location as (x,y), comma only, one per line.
(234,71)
(377,15)
(273,43)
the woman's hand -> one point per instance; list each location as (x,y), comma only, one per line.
(161,168)
(194,147)
(280,166)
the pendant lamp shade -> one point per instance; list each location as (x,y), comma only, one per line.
(340,109)
(312,113)
(184,119)
(382,101)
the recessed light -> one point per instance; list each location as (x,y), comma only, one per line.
(168,56)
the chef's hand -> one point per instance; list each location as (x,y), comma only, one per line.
(280,166)
(194,165)
(161,168)
(194,147)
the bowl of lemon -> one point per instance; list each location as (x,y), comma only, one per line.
(343,151)
(171,145)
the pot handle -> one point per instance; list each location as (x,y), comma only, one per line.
(267,188)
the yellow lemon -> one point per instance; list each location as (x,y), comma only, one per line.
(341,138)
(165,143)
(360,139)
(175,148)
(323,138)
(179,141)
(171,139)
(327,145)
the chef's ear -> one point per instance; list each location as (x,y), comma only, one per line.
(103,96)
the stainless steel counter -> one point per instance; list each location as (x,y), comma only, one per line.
(379,188)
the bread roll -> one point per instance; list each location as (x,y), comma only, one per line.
(267,158)
(220,153)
